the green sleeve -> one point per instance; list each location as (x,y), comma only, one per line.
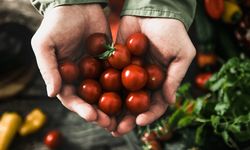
(183,10)
(44,5)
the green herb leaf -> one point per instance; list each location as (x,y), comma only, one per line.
(199,134)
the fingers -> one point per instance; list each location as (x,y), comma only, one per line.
(126,125)
(103,120)
(76,104)
(128,26)
(156,110)
(176,72)
(47,63)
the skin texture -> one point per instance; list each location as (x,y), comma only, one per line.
(57,40)
(170,47)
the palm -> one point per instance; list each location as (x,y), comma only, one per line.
(61,36)
(170,47)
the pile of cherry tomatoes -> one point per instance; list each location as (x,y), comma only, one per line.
(114,76)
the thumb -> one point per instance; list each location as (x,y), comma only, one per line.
(44,51)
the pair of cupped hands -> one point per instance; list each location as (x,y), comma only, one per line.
(62,33)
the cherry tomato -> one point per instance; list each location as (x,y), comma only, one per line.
(148,136)
(137,44)
(201,79)
(105,64)
(120,57)
(206,59)
(156,76)
(137,61)
(163,133)
(90,67)
(134,77)
(110,103)
(95,43)
(69,71)
(153,145)
(52,139)
(138,102)
(90,91)
(111,80)
(214,8)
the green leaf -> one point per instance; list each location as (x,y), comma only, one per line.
(198,105)
(221,108)
(215,121)
(199,134)
(185,121)
(175,117)
(218,83)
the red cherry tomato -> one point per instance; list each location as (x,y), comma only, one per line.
(105,64)
(201,79)
(90,67)
(148,136)
(163,133)
(156,76)
(137,44)
(52,139)
(120,57)
(90,91)
(110,103)
(134,77)
(153,145)
(111,80)
(95,43)
(138,102)
(69,71)
(137,61)
(214,8)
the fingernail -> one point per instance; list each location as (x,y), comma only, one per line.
(49,90)
(115,134)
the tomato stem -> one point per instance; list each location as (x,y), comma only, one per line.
(109,51)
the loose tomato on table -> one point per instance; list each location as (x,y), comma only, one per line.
(214,8)
(204,59)
(110,103)
(137,44)
(90,67)
(95,43)
(134,77)
(156,76)
(69,71)
(53,139)
(138,102)
(201,80)
(111,80)
(118,56)
(90,91)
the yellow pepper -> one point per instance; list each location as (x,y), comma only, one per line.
(9,125)
(33,122)
(232,12)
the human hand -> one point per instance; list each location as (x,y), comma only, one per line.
(61,37)
(171,48)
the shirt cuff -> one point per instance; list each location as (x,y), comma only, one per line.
(183,10)
(45,5)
